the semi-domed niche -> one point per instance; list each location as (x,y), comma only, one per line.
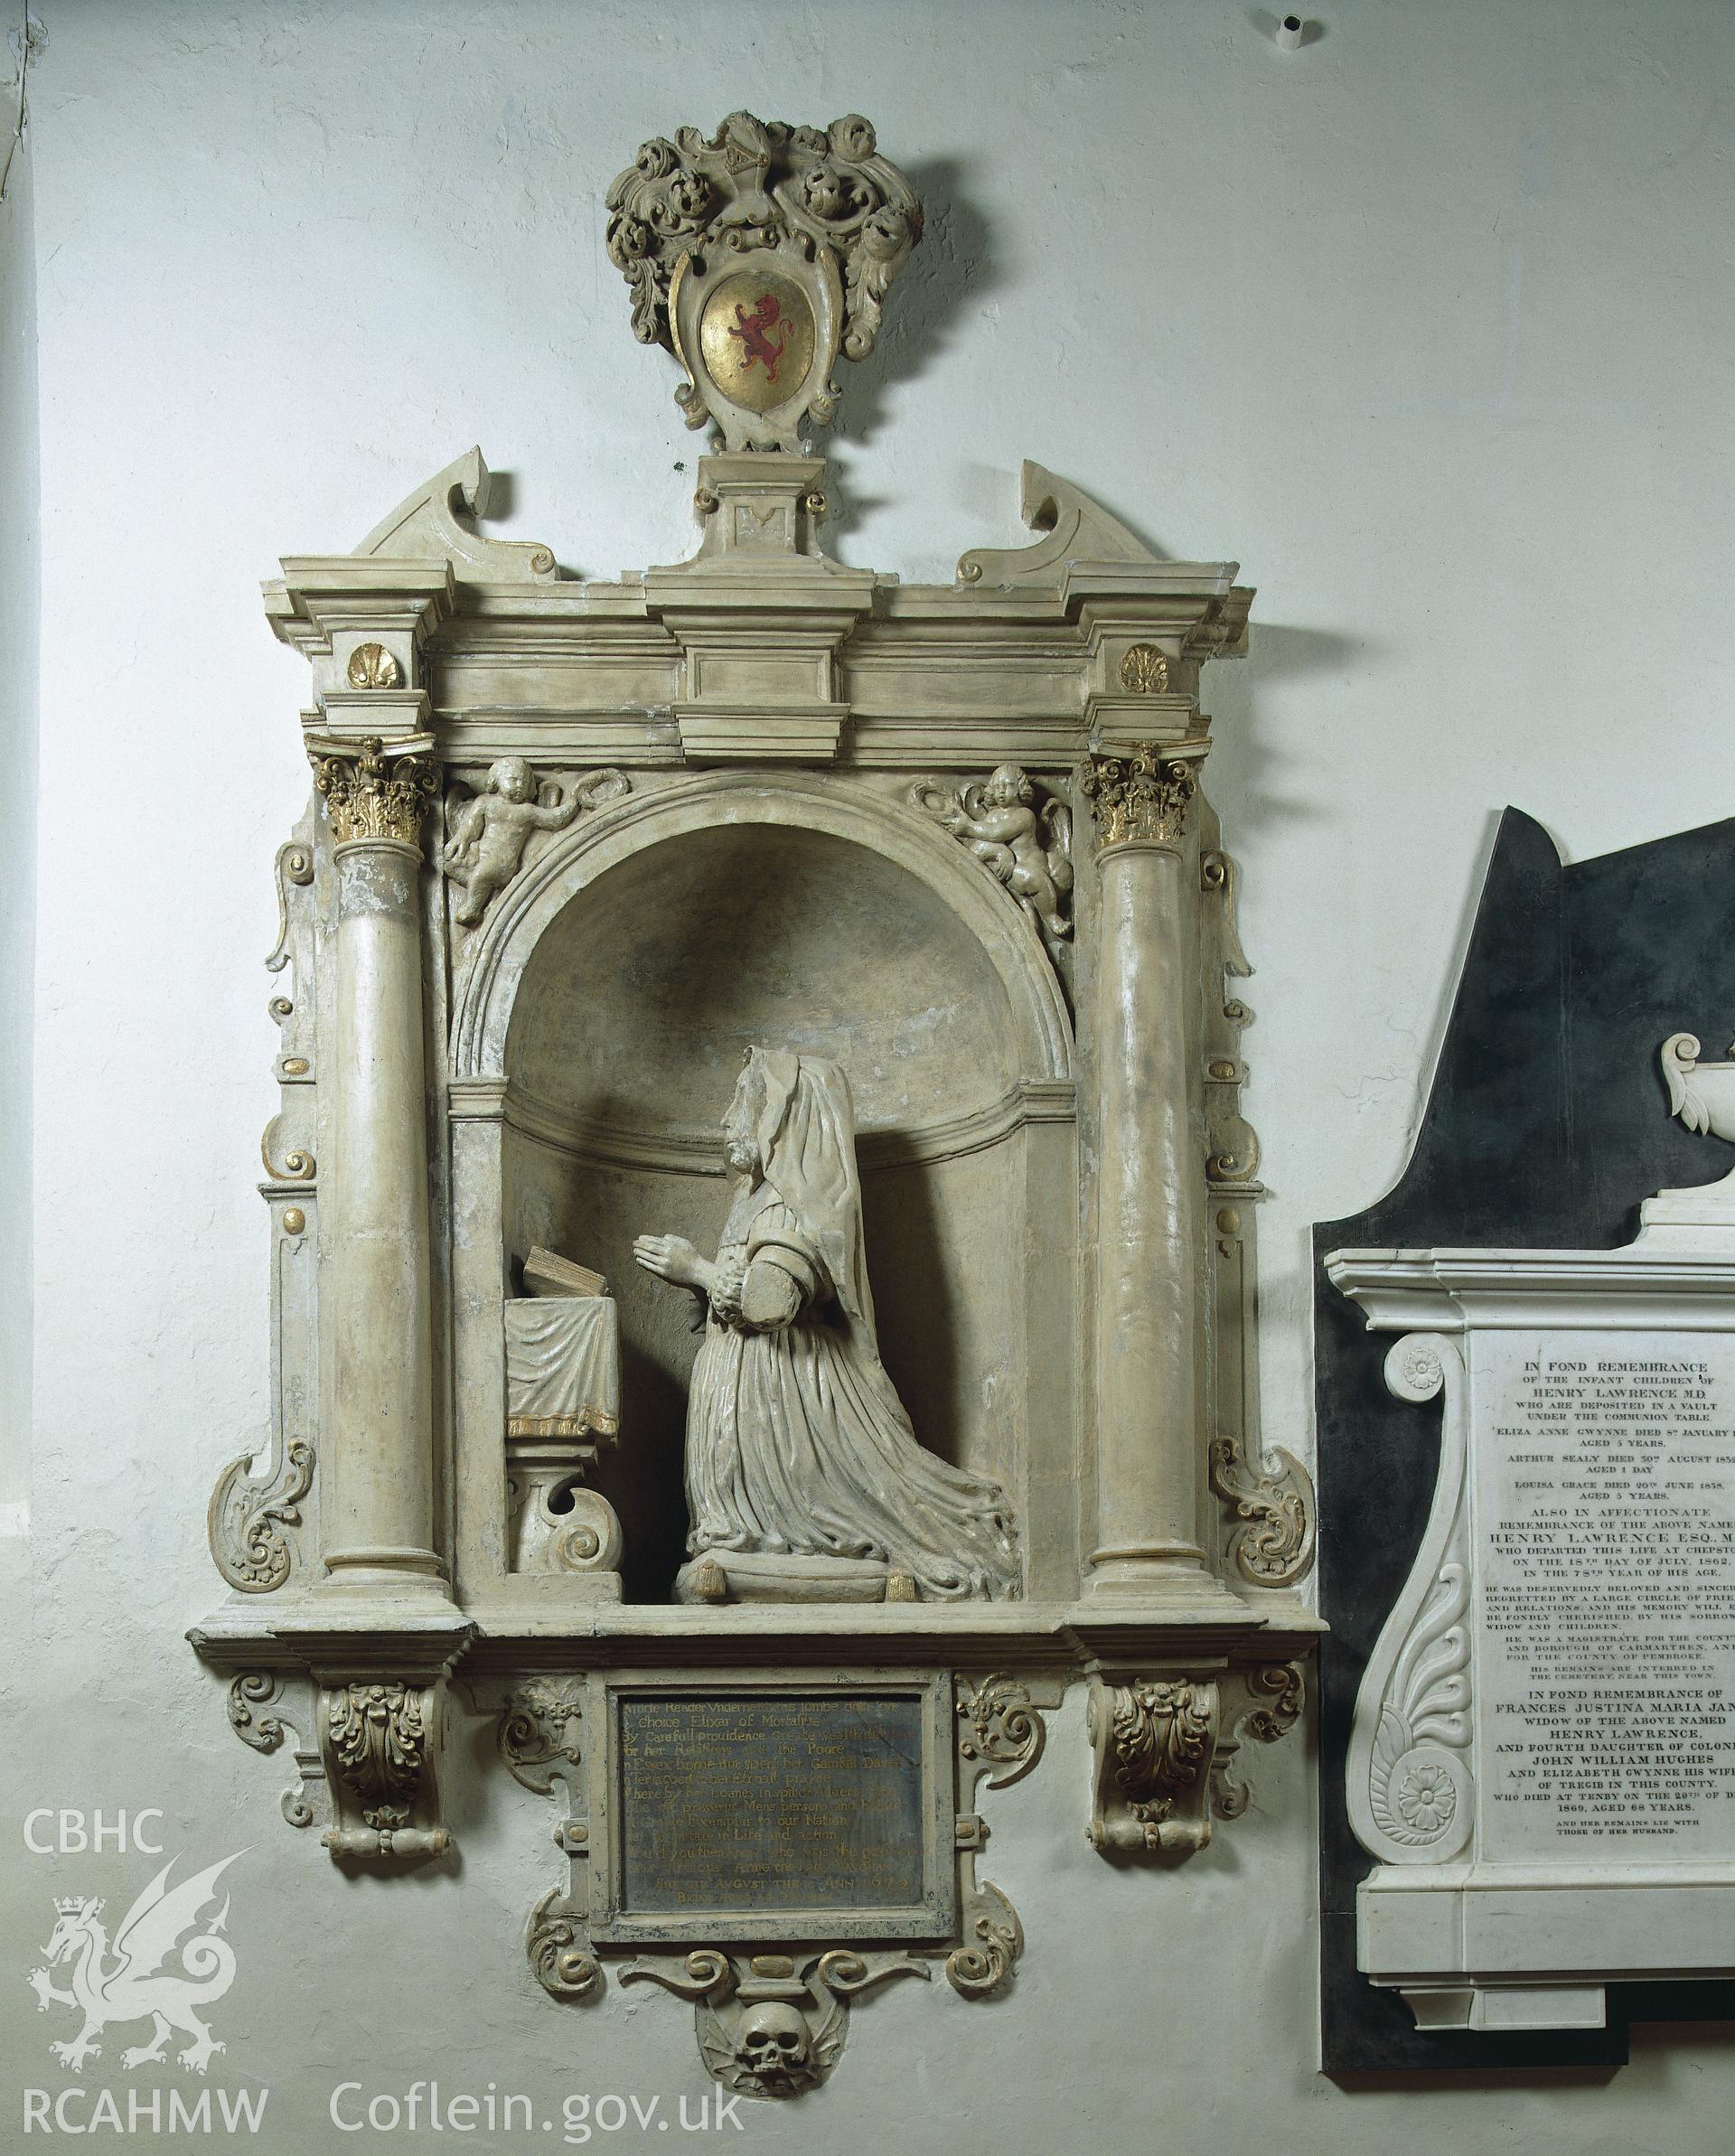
(629,1027)
(643,996)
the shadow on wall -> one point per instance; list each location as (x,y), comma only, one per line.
(1240,768)
(913,1305)
(951,268)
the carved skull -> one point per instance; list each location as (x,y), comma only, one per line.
(775,2047)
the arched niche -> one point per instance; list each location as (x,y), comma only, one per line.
(616,993)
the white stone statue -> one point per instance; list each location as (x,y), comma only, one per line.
(804,1478)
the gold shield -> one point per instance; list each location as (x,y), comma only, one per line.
(756,337)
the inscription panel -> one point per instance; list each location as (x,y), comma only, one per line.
(1605,1584)
(777,1811)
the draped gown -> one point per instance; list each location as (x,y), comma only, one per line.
(796,1439)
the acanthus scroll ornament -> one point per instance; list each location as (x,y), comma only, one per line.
(372,790)
(1274,1500)
(993,1943)
(1140,798)
(1272,1696)
(254,1689)
(559,1953)
(249,1516)
(537,1733)
(1008,1733)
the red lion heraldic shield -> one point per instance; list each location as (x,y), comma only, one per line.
(751,330)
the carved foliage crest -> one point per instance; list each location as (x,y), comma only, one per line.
(815,215)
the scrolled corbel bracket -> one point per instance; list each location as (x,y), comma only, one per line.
(380,1739)
(1153,1742)
(1167,1747)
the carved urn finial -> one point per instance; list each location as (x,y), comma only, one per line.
(756,256)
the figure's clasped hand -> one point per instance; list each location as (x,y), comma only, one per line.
(671,1257)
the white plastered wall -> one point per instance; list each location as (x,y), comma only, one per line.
(1429,323)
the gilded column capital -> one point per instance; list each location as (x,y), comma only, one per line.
(373,790)
(1139,798)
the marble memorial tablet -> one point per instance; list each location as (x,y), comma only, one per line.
(1606,1581)
(774,1810)
(1543,1752)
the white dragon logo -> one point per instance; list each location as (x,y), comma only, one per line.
(136,1988)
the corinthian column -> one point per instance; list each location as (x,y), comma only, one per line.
(1147,1388)
(378,1463)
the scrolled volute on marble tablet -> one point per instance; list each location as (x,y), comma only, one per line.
(1409,1771)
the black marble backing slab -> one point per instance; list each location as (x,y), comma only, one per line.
(1547,1125)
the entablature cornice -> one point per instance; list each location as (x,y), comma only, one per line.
(594,1635)
(318,597)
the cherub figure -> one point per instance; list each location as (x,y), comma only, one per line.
(491,829)
(1027,849)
